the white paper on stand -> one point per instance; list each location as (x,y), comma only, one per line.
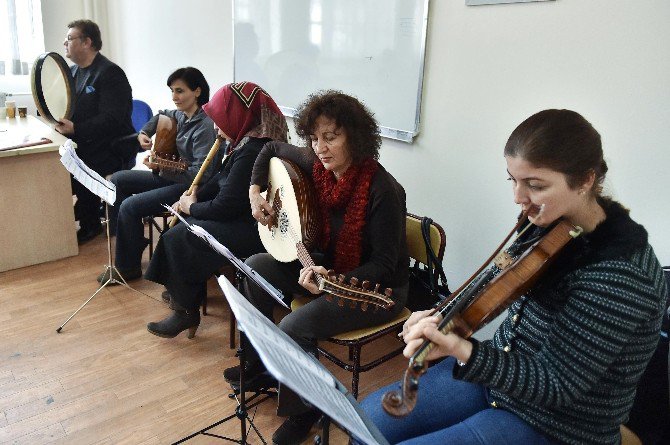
(224,251)
(89,178)
(296,369)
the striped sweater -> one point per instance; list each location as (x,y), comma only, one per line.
(569,354)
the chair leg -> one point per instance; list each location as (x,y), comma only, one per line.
(151,238)
(357,369)
(204,305)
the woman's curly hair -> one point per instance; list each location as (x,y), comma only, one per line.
(349,114)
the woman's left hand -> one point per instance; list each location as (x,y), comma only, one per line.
(307,279)
(185,202)
(443,344)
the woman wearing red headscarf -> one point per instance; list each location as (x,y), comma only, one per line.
(246,116)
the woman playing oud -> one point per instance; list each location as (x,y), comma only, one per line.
(362,212)
(564,364)
(142,193)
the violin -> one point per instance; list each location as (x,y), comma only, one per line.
(491,290)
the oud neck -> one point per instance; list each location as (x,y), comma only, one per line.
(306,259)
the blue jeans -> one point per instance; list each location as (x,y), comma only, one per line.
(450,411)
(138,194)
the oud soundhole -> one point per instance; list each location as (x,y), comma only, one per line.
(283,223)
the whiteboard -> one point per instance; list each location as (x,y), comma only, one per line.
(371,49)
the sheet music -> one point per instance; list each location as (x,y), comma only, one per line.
(223,250)
(85,175)
(285,360)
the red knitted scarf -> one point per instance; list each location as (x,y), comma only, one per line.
(352,193)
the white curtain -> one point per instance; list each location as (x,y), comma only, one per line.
(21,35)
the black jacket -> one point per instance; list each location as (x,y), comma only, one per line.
(102,113)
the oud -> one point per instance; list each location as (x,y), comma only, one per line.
(164,151)
(294,229)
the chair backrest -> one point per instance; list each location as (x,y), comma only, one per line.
(416,247)
(141,114)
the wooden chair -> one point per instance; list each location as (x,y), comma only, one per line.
(355,340)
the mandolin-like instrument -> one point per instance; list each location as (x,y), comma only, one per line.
(164,152)
(294,229)
(483,297)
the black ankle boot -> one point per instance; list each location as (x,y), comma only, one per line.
(295,429)
(173,325)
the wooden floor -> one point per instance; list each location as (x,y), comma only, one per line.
(104,379)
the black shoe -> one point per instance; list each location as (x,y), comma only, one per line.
(175,324)
(128,275)
(295,429)
(86,234)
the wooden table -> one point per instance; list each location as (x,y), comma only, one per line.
(35,198)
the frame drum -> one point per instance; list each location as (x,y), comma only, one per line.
(53,87)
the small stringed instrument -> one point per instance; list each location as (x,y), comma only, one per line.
(482,298)
(164,152)
(294,229)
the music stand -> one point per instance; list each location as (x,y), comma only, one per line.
(243,406)
(105,190)
(287,361)
(301,372)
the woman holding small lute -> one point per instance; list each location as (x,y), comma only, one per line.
(361,232)
(564,364)
(141,193)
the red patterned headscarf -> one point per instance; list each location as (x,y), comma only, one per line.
(245,109)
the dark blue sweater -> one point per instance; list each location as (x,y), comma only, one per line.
(578,344)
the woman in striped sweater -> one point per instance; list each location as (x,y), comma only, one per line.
(564,365)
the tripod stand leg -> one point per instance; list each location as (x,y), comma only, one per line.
(82,306)
(109,268)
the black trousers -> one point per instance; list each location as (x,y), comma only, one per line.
(319,319)
(183,263)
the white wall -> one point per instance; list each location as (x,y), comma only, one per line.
(487,69)
(150,39)
(490,67)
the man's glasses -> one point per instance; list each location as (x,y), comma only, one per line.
(71,38)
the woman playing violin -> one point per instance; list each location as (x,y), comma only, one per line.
(362,210)
(564,364)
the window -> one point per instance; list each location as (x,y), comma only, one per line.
(21,35)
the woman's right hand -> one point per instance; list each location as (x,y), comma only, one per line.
(144,140)
(261,210)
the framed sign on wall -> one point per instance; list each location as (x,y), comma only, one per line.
(495,2)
